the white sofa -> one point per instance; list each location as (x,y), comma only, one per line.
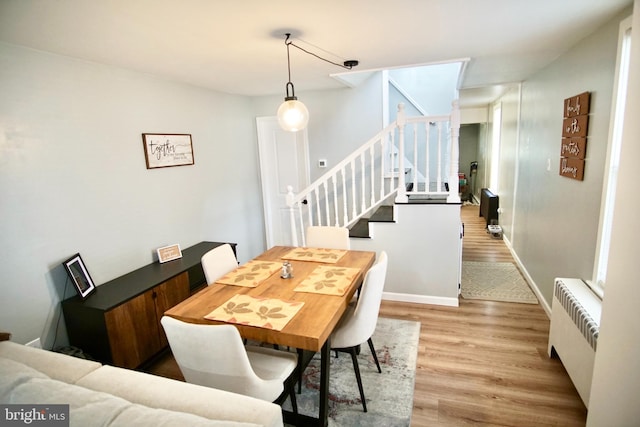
(102,395)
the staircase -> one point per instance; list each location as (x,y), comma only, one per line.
(424,147)
(414,215)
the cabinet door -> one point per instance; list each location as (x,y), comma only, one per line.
(167,295)
(133,331)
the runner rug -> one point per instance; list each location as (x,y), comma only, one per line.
(389,395)
(495,281)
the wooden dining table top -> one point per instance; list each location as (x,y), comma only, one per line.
(313,323)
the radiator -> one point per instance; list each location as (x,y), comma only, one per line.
(488,205)
(573,334)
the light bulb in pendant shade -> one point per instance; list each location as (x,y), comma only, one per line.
(293,115)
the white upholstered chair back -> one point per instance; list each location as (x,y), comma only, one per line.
(214,356)
(329,237)
(358,324)
(218,262)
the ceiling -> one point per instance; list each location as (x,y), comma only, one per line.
(237,46)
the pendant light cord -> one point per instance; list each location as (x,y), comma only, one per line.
(348,65)
(287,42)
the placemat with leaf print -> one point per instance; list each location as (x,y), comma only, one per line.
(267,313)
(315,254)
(328,280)
(250,274)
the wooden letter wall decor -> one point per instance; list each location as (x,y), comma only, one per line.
(574,136)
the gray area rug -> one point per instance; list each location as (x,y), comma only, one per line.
(495,281)
(389,395)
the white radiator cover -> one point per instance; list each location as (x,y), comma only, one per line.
(573,334)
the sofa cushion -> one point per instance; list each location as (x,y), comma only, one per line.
(96,409)
(12,374)
(54,365)
(142,416)
(159,392)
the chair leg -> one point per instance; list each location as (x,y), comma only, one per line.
(356,368)
(375,356)
(292,397)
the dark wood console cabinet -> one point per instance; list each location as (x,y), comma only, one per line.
(119,324)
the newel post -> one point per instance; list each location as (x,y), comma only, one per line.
(401,195)
(454,165)
(292,214)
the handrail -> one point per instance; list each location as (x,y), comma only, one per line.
(375,171)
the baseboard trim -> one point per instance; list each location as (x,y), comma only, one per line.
(420,299)
(545,305)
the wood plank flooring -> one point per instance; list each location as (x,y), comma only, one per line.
(485,363)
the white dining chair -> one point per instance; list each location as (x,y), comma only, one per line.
(359,321)
(218,262)
(214,356)
(329,237)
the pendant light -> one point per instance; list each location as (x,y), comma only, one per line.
(293,114)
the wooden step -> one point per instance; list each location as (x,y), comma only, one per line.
(383,214)
(361,228)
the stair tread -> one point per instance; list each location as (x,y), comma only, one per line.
(361,228)
(382,214)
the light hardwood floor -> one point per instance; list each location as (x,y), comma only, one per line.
(485,363)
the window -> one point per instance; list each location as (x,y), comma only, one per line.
(613,157)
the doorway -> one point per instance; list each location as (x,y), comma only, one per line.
(284,161)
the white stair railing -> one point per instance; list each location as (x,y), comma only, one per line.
(367,178)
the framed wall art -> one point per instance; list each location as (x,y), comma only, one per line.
(166,150)
(79,275)
(575,126)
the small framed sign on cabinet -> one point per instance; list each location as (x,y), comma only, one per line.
(169,253)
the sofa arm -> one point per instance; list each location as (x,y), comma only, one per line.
(159,392)
(55,365)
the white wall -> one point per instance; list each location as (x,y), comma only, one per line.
(73,178)
(474,115)
(508,159)
(468,140)
(616,379)
(426,267)
(482,178)
(556,218)
(432,87)
(339,120)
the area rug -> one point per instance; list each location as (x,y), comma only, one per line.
(495,281)
(389,394)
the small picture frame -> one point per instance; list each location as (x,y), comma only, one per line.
(79,276)
(169,253)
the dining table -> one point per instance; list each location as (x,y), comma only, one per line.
(287,296)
